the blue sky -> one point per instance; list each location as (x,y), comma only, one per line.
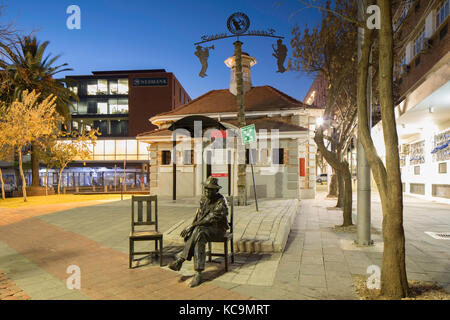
(149,34)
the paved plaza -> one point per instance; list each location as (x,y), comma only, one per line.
(38,244)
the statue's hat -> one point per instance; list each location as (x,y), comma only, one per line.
(212,183)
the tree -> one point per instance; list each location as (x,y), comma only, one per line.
(59,153)
(330,50)
(27,121)
(26,67)
(394,283)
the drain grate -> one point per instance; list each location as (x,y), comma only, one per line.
(439,235)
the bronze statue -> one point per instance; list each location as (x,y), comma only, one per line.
(210,224)
(203,54)
(280,55)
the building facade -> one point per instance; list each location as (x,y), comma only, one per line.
(118,104)
(283,154)
(422,89)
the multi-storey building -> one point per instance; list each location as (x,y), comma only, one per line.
(422,89)
(119,104)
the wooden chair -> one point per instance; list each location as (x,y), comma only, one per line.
(140,220)
(227,238)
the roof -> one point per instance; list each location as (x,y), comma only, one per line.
(261,98)
(260,123)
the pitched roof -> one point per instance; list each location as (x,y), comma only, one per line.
(261,98)
(260,123)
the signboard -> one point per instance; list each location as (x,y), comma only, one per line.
(150,82)
(248,134)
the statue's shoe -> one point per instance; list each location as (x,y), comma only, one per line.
(176,265)
(196,280)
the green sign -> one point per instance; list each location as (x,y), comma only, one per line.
(248,134)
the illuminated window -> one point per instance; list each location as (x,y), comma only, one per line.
(113,87)
(102,87)
(442,13)
(122,86)
(102,108)
(118,106)
(92,87)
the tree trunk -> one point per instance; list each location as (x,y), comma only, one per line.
(347,183)
(46,180)
(59,180)
(3,184)
(24,184)
(394,283)
(35,165)
(333,189)
(341,194)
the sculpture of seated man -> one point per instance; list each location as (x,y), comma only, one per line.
(210,224)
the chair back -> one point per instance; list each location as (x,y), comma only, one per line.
(230,203)
(144,211)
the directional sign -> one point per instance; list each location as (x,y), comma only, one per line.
(248,134)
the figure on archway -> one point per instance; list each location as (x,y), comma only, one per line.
(280,54)
(203,54)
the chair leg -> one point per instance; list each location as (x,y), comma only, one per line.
(232,250)
(209,252)
(226,255)
(161,252)
(131,254)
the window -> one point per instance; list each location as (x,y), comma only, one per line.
(92,87)
(188,157)
(122,86)
(102,87)
(102,107)
(165,157)
(403,14)
(102,126)
(417,170)
(119,127)
(442,167)
(74,89)
(254,156)
(278,156)
(113,87)
(418,43)
(442,13)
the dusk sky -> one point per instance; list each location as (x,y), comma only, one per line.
(143,34)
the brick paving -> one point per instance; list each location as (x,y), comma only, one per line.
(9,290)
(317,262)
(104,272)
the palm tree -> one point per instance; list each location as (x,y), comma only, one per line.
(26,67)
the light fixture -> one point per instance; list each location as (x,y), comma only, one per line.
(431,109)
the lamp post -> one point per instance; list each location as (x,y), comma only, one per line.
(238,24)
(363,169)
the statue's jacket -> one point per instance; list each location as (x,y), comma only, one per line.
(214,212)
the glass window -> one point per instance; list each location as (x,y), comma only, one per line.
(131,147)
(102,126)
(254,156)
(92,87)
(278,156)
(99,148)
(121,147)
(442,12)
(109,147)
(92,107)
(142,148)
(102,86)
(123,86)
(102,108)
(118,106)
(113,86)
(82,107)
(119,127)
(165,157)
(418,43)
